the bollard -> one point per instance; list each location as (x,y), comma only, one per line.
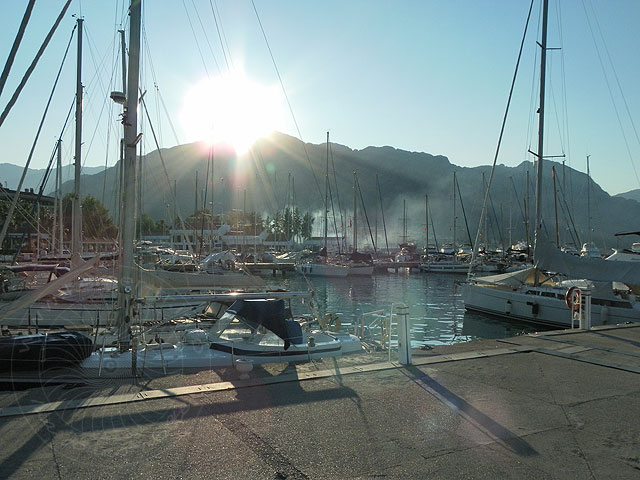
(404,334)
(585,307)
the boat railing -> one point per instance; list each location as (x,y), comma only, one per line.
(379,330)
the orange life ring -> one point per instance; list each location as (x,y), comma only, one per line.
(573,298)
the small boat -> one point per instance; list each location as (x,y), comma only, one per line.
(256,331)
(320,269)
(43,351)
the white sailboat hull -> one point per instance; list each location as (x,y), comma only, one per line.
(322,270)
(541,309)
(361,270)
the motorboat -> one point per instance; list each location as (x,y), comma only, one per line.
(255,331)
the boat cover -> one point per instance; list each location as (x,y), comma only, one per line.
(271,315)
(551,258)
(515,279)
(361,257)
(42,351)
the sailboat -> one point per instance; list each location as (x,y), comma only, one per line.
(531,295)
(257,328)
(360,264)
(90,301)
(322,266)
(447,262)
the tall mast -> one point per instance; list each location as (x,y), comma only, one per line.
(59,199)
(326,198)
(540,153)
(486,222)
(76,225)
(131,138)
(454,212)
(589,199)
(426,222)
(404,220)
(123,54)
(355,216)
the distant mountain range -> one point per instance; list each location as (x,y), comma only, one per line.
(631,195)
(10,176)
(281,170)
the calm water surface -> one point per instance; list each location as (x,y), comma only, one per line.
(435,304)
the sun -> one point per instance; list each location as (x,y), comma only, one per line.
(231,110)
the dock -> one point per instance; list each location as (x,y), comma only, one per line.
(396,265)
(560,404)
(257,267)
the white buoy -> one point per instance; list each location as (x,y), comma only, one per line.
(244,367)
(404,334)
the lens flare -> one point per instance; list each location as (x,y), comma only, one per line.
(231,110)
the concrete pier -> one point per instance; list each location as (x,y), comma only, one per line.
(554,405)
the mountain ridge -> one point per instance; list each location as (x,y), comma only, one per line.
(404,177)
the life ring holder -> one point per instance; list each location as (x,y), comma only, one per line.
(573,298)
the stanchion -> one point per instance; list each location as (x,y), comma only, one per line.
(404,335)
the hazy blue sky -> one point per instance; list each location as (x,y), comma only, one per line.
(422,75)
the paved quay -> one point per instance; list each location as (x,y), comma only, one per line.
(563,404)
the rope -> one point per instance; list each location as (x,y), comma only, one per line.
(222,43)
(366,217)
(35,142)
(606,79)
(32,67)
(16,45)
(295,122)
(196,39)
(206,36)
(504,121)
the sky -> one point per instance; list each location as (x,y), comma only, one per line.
(420,75)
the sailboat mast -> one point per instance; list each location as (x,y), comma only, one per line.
(426,223)
(326,198)
(355,216)
(76,225)
(131,139)
(454,213)
(404,221)
(589,199)
(59,199)
(540,153)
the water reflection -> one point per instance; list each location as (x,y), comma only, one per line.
(435,305)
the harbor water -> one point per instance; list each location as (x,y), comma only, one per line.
(436,308)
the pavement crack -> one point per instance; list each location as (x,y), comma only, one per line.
(599,399)
(50,427)
(281,465)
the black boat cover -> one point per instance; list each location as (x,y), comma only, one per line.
(361,257)
(40,351)
(271,315)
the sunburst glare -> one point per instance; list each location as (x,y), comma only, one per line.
(232,110)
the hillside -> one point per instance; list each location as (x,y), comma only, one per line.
(631,195)
(402,175)
(10,175)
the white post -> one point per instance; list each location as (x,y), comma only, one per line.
(585,310)
(404,335)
